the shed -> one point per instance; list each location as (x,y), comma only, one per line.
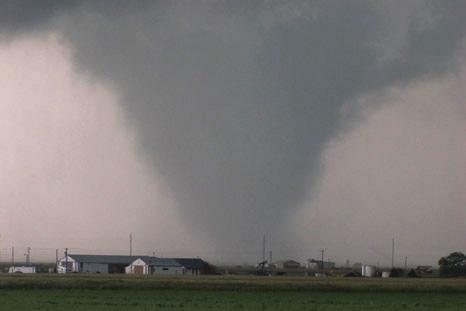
(22,269)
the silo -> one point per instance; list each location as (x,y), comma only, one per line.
(369,271)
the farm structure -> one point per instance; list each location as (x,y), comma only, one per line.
(22,269)
(315,264)
(194,266)
(422,270)
(130,264)
(153,265)
(94,263)
(286,264)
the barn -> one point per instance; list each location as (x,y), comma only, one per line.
(94,263)
(153,265)
(74,263)
(193,266)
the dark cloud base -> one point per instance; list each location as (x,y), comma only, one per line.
(234,104)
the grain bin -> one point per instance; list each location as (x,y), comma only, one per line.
(368,271)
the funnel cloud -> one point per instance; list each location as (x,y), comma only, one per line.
(234,105)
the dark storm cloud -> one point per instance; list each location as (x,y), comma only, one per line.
(234,101)
(27,15)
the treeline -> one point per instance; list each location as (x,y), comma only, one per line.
(453,265)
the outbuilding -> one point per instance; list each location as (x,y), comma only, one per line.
(287,264)
(94,263)
(153,265)
(22,269)
(193,266)
(74,263)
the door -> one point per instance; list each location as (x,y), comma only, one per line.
(138,269)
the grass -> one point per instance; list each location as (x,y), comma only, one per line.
(244,283)
(172,299)
(120,292)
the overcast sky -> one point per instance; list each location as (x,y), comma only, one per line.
(200,126)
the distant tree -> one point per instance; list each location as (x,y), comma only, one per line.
(453,265)
(397,272)
(411,274)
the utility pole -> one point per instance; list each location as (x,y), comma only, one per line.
(56,260)
(406,263)
(66,260)
(13,256)
(130,244)
(270,257)
(322,262)
(393,253)
(28,256)
(131,251)
(263,248)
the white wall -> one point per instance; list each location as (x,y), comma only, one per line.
(61,265)
(161,270)
(94,268)
(138,262)
(14,269)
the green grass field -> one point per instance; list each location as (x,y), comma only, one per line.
(91,292)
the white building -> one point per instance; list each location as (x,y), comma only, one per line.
(131,264)
(94,263)
(22,269)
(153,265)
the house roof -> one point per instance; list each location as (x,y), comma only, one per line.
(191,263)
(163,262)
(188,263)
(106,259)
